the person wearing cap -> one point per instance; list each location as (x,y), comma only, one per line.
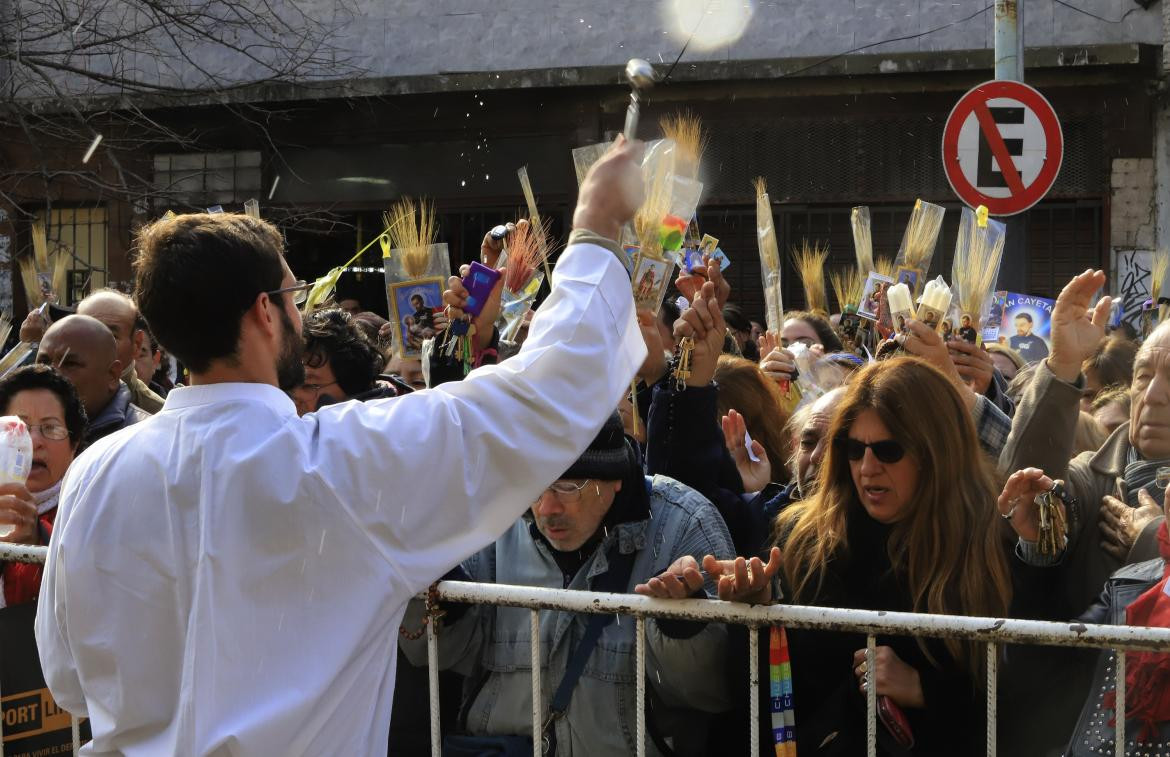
(599,518)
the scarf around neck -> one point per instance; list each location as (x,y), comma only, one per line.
(1141,474)
(46,500)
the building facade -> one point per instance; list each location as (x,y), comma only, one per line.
(837,103)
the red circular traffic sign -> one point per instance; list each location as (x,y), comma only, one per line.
(1002,147)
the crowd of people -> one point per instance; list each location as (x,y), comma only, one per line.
(235,574)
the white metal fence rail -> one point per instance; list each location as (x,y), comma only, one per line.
(991,631)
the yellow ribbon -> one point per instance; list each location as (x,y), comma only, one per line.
(325,285)
(981,216)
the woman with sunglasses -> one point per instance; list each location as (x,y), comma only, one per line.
(45,400)
(901,519)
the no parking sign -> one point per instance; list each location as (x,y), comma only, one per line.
(1002,147)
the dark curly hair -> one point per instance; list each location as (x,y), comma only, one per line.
(46,377)
(332,337)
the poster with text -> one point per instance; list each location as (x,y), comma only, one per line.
(1025,325)
(33,723)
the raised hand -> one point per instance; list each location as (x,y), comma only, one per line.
(1017,502)
(755,475)
(612,190)
(715,276)
(33,327)
(491,248)
(455,298)
(655,366)
(741,580)
(690,283)
(778,364)
(973,364)
(703,322)
(1077,325)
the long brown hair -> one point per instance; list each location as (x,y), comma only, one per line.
(743,387)
(949,547)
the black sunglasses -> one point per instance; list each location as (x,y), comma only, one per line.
(887,451)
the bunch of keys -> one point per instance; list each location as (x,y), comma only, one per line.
(682,371)
(1053,521)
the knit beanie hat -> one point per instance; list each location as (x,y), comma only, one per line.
(610,457)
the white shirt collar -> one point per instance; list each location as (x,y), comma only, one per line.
(216,394)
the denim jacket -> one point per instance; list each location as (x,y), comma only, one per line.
(491,645)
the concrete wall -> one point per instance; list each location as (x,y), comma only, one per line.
(390,38)
(429,36)
(1133,212)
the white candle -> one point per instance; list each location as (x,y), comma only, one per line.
(937,295)
(934,303)
(899,297)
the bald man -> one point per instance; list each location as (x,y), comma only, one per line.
(84,349)
(120,315)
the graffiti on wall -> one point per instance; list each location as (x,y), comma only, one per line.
(1132,283)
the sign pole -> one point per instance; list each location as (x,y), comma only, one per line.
(1009,65)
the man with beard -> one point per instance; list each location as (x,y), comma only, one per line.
(267,559)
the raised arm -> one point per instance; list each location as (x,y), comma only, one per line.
(437,475)
(1043,428)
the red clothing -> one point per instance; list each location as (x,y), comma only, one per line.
(22,581)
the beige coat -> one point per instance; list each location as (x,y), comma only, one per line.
(1042,437)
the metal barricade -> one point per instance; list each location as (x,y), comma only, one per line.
(991,631)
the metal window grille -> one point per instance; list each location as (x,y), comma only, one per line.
(990,631)
(85,233)
(207,178)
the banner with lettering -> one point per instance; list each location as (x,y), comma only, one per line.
(1022,322)
(33,724)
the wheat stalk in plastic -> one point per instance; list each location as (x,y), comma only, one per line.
(884,266)
(60,280)
(847,286)
(40,242)
(655,208)
(1159,266)
(5,327)
(977,257)
(862,240)
(769,257)
(686,131)
(810,264)
(32,285)
(539,229)
(921,235)
(526,251)
(412,229)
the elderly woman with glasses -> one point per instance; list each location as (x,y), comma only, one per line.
(47,402)
(902,518)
